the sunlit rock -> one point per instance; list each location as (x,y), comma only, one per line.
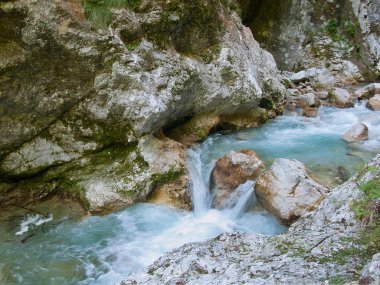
(358,132)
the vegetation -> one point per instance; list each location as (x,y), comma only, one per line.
(98,12)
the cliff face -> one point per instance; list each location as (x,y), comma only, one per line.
(303,34)
(84,88)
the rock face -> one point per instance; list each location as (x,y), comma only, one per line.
(374,103)
(371,272)
(80,91)
(321,247)
(302,34)
(358,132)
(288,191)
(233,169)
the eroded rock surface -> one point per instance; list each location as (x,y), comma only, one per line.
(233,169)
(70,91)
(320,248)
(288,191)
(358,132)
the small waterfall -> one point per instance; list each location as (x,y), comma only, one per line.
(238,202)
(200,190)
(245,192)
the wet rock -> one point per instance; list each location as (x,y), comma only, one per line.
(288,191)
(309,253)
(310,112)
(243,120)
(358,132)
(371,272)
(195,130)
(367,91)
(233,169)
(173,194)
(341,98)
(374,103)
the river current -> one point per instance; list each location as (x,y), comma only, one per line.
(60,247)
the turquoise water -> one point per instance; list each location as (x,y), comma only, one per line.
(65,248)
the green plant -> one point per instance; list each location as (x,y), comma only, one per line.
(350,29)
(332,28)
(331,97)
(98,12)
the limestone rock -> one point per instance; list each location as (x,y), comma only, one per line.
(367,91)
(309,253)
(250,119)
(317,78)
(288,191)
(308,100)
(233,169)
(173,194)
(341,98)
(310,112)
(374,103)
(371,272)
(358,132)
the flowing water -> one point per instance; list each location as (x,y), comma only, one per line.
(62,248)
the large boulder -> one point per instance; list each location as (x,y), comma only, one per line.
(374,103)
(358,132)
(233,169)
(288,191)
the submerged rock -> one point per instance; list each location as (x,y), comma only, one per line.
(374,103)
(233,169)
(310,112)
(288,191)
(358,132)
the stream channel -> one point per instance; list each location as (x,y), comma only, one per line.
(64,248)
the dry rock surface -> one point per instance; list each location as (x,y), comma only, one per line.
(288,191)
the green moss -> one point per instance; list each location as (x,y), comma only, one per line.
(338,280)
(164,178)
(133,45)
(98,12)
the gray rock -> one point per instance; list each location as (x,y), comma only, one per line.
(341,98)
(356,133)
(309,100)
(374,103)
(287,190)
(371,272)
(368,91)
(320,248)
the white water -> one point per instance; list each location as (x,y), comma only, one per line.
(102,250)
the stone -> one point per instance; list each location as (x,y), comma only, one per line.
(356,133)
(367,91)
(320,248)
(341,98)
(288,191)
(174,194)
(119,86)
(310,112)
(371,272)
(249,119)
(308,100)
(232,170)
(322,95)
(374,103)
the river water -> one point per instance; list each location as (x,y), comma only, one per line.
(56,246)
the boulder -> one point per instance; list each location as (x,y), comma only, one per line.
(341,98)
(242,120)
(308,100)
(288,191)
(233,169)
(374,103)
(318,78)
(367,91)
(371,272)
(358,132)
(173,194)
(310,112)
